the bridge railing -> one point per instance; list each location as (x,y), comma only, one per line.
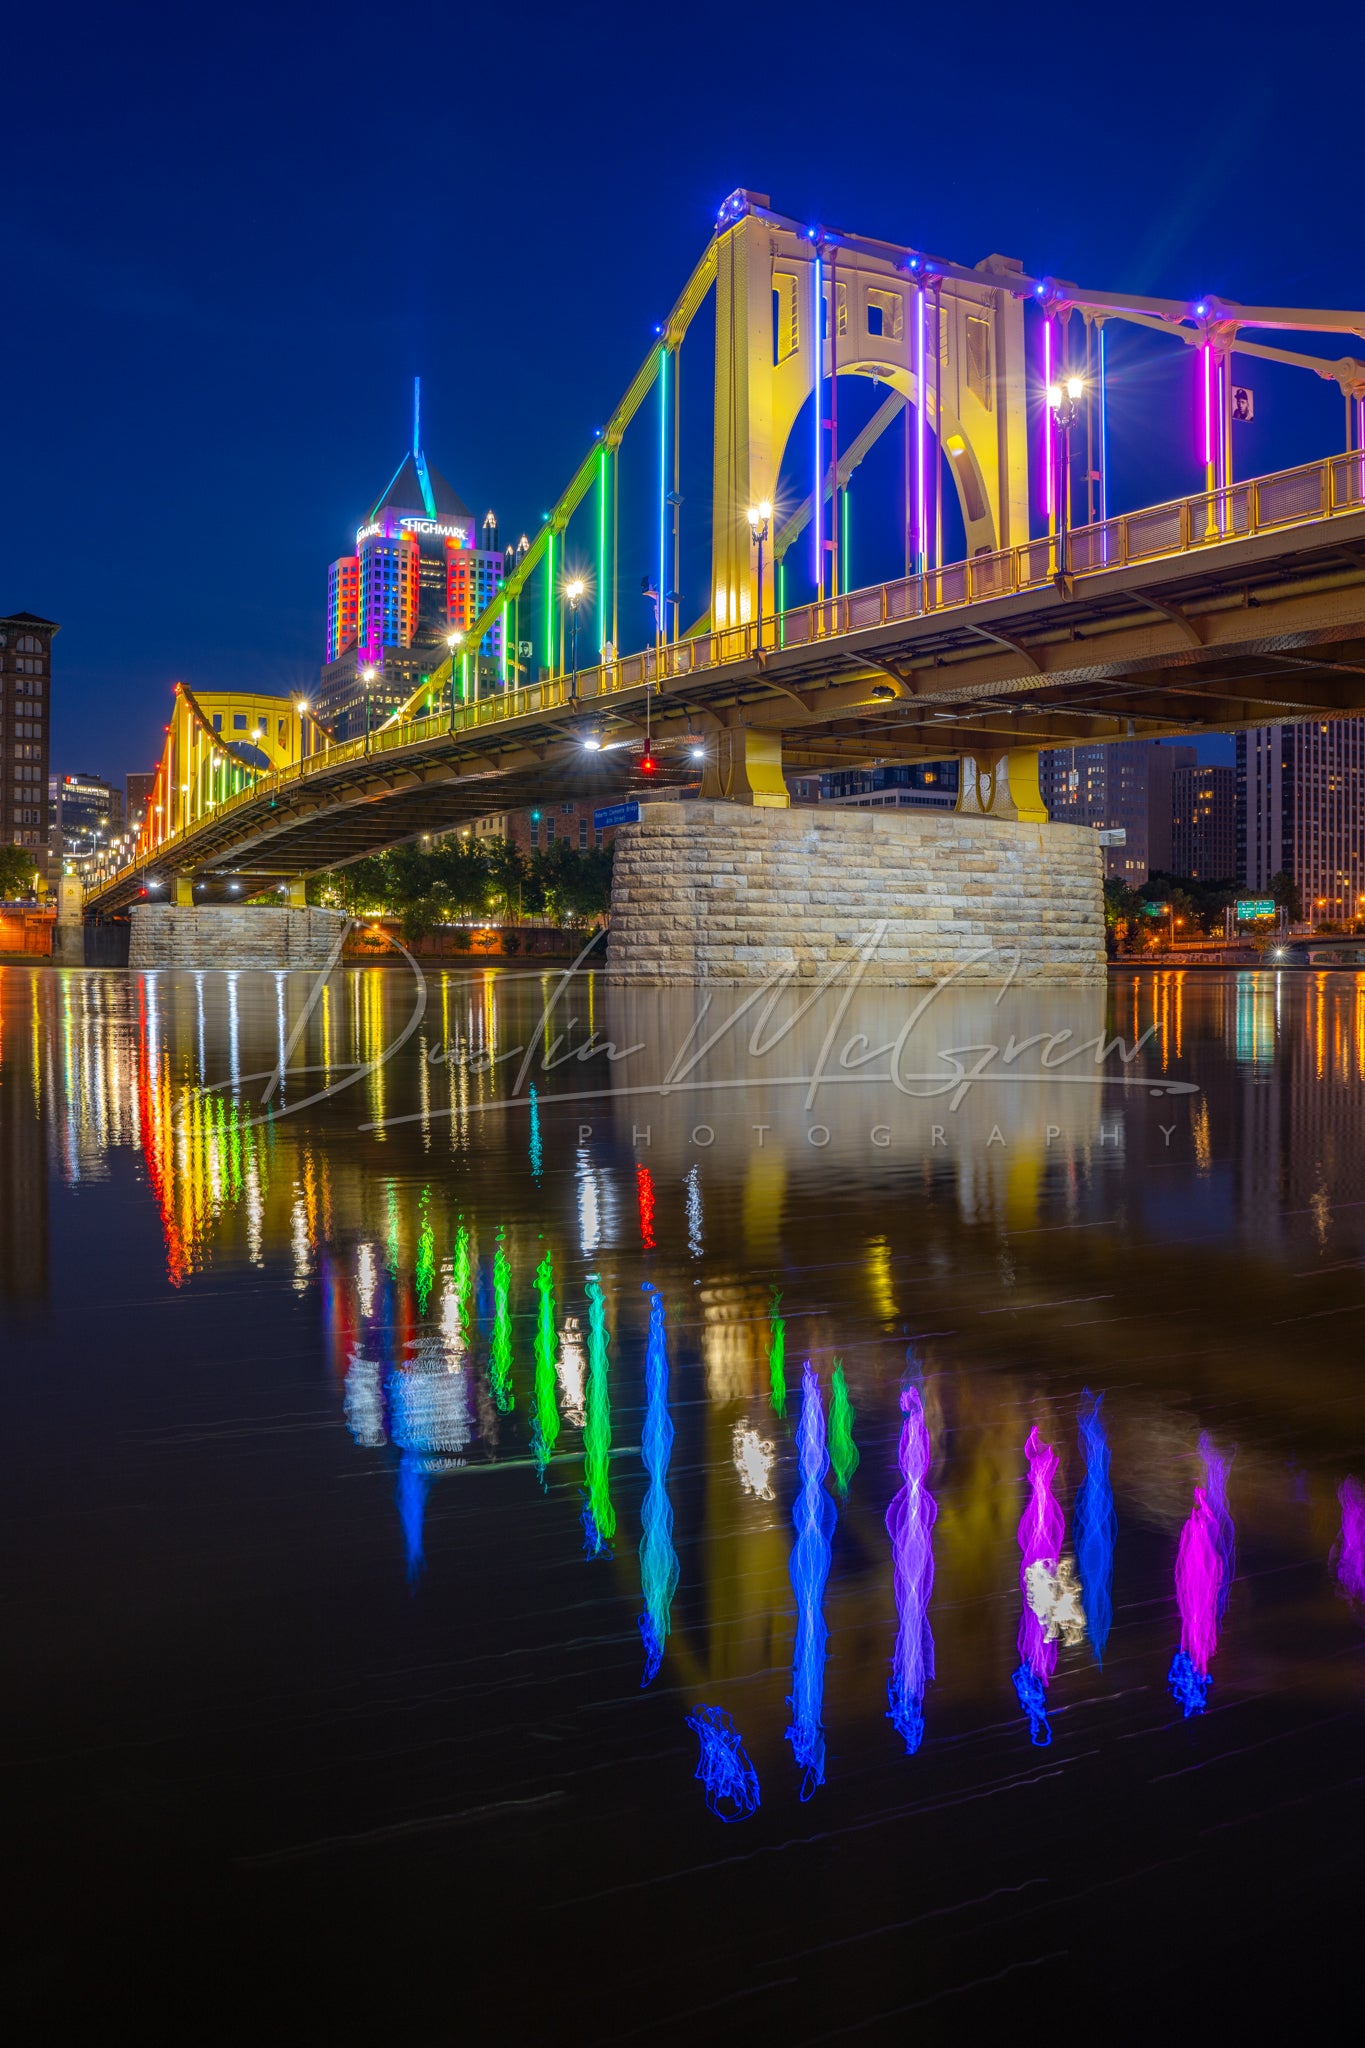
(1295,497)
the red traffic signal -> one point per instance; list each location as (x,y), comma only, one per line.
(648,764)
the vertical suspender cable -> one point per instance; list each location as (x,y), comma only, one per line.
(601,551)
(677,485)
(817,502)
(662,607)
(921,403)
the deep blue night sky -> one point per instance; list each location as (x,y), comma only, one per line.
(231,238)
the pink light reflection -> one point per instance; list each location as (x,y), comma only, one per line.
(1198,1582)
(1349,1554)
(1040,1542)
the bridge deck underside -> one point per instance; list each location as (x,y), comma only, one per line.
(1251,632)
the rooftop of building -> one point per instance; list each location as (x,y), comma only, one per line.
(417,486)
(29,619)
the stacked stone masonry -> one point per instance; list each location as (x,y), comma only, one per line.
(231,935)
(718,893)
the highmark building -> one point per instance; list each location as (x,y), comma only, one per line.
(416,577)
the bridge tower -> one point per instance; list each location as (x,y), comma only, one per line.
(795,305)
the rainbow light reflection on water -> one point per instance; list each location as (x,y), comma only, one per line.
(910,1525)
(658,1558)
(814,1516)
(1041,1529)
(1095,1525)
(599,1516)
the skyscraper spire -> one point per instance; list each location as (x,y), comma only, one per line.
(418,459)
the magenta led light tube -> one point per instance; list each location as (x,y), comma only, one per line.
(1049,500)
(921,404)
(817,393)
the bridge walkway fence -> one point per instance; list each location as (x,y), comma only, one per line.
(1317,492)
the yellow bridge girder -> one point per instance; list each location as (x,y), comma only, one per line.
(218,744)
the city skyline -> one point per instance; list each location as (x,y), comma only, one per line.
(682,1022)
(167,385)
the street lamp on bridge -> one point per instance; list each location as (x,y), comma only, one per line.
(759,516)
(1064,404)
(367,676)
(302,707)
(455,641)
(574,592)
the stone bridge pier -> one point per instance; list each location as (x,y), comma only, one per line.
(738,885)
(227,935)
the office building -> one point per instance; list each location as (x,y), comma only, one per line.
(415,578)
(916,786)
(1127,786)
(137,789)
(1203,824)
(536,830)
(25,727)
(86,816)
(1300,811)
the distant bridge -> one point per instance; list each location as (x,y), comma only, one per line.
(1241,605)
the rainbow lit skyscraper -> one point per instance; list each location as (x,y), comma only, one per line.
(416,576)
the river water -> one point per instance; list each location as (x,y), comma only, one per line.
(529,1505)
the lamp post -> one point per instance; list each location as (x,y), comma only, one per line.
(574,592)
(759,515)
(367,677)
(454,641)
(302,708)
(1064,403)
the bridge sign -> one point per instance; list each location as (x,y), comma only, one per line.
(616,814)
(1248,909)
